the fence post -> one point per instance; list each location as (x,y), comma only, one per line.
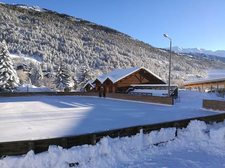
(138,129)
(64,143)
(93,139)
(176,125)
(31,146)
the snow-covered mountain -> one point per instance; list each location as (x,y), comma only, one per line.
(51,37)
(198,50)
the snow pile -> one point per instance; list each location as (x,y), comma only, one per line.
(32,88)
(199,145)
(193,99)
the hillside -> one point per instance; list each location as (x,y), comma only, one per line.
(51,37)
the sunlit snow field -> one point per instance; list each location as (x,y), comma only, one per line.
(38,117)
(199,145)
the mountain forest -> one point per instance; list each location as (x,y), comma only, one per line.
(43,39)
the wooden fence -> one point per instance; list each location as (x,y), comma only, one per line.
(143,98)
(22,147)
(214,104)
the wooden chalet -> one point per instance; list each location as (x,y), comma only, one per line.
(120,80)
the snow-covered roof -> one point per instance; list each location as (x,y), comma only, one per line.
(89,82)
(119,74)
(212,76)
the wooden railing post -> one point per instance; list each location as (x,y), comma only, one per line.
(64,143)
(138,129)
(31,146)
(93,139)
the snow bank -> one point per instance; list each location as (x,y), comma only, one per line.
(193,99)
(199,145)
(32,88)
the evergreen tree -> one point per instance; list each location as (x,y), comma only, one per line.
(9,79)
(62,78)
(36,75)
(85,74)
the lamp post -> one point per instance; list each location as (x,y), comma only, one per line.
(165,35)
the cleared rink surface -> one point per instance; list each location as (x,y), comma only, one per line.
(40,117)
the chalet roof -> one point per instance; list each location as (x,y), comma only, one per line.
(119,74)
(212,76)
(90,82)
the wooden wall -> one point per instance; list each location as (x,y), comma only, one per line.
(214,105)
(143,98)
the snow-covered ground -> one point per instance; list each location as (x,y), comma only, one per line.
(199,145)
(38,117)
(32,88)
(35,59)
(193,99)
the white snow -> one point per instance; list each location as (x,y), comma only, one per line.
(215,74)
(199,145)
(193,99)
(35,8)
(32,88)
(40,117)
(198,50)
(35,59)
(212,76)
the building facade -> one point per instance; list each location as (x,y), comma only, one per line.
(119,81)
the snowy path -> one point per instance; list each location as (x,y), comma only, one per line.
(24,118)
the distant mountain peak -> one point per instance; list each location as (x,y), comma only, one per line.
(178,49)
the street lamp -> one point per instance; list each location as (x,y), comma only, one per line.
(165,35)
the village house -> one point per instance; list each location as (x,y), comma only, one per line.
(119,81)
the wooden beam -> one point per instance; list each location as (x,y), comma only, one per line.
(137,78)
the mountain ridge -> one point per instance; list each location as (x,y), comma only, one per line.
(178,49)
(55,37)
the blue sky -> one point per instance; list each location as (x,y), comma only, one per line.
(189,23)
